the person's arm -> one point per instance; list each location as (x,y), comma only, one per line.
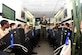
(41,22)
(46,22)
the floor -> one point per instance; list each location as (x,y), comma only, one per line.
(44,49)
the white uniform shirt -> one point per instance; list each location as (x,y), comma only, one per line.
(3,33)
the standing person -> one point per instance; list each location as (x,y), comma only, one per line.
(71,26)
(43,27)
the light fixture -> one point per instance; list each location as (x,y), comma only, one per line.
(28,13)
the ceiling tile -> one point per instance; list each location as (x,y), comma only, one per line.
(43,7)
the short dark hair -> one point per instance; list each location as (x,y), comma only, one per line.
(62,24)
(67,24)
(25,25)
(19,25)
(12,24)
(3,22)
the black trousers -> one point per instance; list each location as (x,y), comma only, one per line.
(43,33)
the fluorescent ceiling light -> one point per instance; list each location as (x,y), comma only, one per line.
(80,1)
(29,15)
(58,13)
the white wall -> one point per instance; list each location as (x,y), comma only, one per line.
(15,5)
(52,20)
(69,8)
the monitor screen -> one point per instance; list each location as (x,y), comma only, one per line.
(7,12)
(19,35)
(37,19)
(15,36)
(5,41)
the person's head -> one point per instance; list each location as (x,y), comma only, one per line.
(26,26)
(34,27)
(5,24)
(44,17)
(20,26)
(61,24)
(31,27)
(67,25)
(55,28)
(12,25)
(71,25)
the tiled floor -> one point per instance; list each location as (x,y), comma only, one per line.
(44,49)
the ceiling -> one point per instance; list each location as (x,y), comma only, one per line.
(43,7)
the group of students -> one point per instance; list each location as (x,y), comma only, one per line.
(57,36)
(32,36)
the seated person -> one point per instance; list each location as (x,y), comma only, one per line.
(12,26)
(26,28)
(20,26)
(4,26)
(20,33)
(3,32)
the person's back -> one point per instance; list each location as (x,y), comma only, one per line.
(19,26)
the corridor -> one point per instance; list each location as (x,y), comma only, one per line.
(44,49)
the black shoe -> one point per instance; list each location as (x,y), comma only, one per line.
(34,52)
(38,45)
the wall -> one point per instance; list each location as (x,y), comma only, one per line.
(52,20)
(15,5)
(69,8)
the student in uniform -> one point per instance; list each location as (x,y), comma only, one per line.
(26,28)
(20,26)
(32,36)
(31,43)
(13,26)
(3,32)
(43,23)
(4,25)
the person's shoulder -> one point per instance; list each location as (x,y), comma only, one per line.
(1,29)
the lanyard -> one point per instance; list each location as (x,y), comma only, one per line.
(67,38)
(12,40)
(32,33)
